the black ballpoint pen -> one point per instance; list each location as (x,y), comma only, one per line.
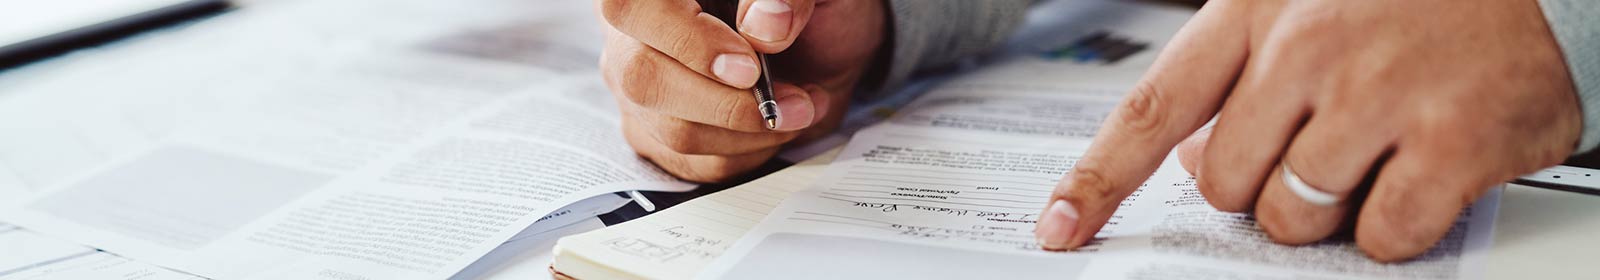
(726,11)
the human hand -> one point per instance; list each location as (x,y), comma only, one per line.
(682,77)
(1421,106)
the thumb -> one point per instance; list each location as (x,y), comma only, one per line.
(1182,90)
(772,25)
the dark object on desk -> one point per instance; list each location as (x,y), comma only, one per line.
(22,53)
(1582,175)
(664,200)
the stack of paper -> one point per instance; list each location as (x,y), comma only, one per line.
(680,242)
(951,188)
(320,139)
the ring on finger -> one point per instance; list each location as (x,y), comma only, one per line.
(1306,192)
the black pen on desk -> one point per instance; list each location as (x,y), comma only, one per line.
(727,10)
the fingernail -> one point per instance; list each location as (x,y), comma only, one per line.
(1056,225)
(767,20)
(795,112)
(735,69)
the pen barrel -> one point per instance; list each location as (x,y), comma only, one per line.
(727,11)
(763,92)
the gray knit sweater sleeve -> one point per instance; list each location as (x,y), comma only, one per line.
(1576,24)
(933,33)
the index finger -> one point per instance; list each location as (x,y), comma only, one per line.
(1182,90)
(694,39)
(692,35)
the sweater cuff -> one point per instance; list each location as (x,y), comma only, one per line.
(936,33)
(1576,25)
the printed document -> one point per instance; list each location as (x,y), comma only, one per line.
(951,187)
(29,255)
(321,139)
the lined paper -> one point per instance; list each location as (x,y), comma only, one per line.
(676,243)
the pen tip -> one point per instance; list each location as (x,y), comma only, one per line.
(772,123)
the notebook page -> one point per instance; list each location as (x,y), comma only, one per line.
(678,242)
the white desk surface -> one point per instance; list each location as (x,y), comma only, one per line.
(1545,234)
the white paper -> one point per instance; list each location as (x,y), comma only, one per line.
(322,139)
(21,21)
(31,256)
(526,257)
(951,187)
(97,265)
(425,212)
(288,60)
(25,249)
(678,242)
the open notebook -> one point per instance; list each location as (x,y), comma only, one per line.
(678,242)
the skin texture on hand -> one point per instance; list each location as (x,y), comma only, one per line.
(1420,105)
(682,77)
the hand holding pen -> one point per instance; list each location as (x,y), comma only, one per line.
(768,107)
(691,86)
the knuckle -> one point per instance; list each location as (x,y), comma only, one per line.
(1434,119)
(1144,111)
(721,170)
(1223,197)
(1317,170)
(1386,241)
(614,11)
(729,113)
(718,168)
(1275,227)
(700,177)
(694,168)
(1395,230)
(1215,197)
(638,81)
(681,43)
(679,137)
(1086,183)
(1284,226)
(689,168)
(688,172)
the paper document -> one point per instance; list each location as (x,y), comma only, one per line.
(678,242)
(31,256)
(951,188)
(323,139)
(426,212)
(681,241)
(526,257)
